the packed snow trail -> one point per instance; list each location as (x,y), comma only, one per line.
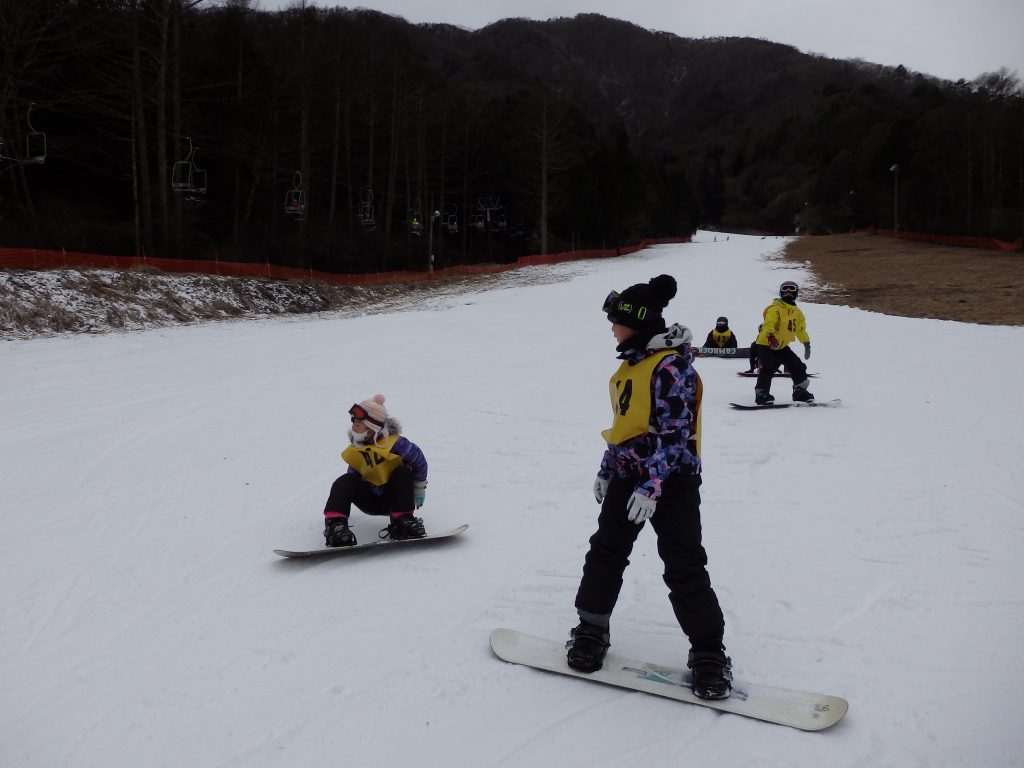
(870,551)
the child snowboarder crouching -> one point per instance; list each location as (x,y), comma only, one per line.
(387,475)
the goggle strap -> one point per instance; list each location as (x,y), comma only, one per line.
(358,412)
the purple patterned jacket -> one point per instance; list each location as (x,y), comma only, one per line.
(647,460)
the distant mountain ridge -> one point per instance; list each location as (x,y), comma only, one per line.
(773,126)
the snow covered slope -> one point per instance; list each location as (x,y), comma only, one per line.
(870,551)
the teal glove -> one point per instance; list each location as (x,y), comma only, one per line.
(419,493)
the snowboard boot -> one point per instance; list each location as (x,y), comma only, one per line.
(763,397)
(801,394)
(712,674)
(586,647)
(337,533)
(405,527)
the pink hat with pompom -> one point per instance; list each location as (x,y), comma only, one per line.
(373,414)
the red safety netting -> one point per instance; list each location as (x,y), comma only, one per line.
(988,243)
(31,258)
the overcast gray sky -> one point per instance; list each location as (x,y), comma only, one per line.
(945,38)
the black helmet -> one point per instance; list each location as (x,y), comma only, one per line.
(722,322)
(789,290)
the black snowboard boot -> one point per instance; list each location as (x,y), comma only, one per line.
(712,674)
(337,533)
(406,527)
(586,647)
(800,393)
(763,397)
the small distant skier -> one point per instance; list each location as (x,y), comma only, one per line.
(783,322)
(651,471)
(387,475)
(721,336)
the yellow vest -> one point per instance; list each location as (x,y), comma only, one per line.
(374,462)
(721,339)
(630,391)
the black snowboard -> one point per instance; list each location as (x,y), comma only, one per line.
(776,375)
(379,544)
(776,406)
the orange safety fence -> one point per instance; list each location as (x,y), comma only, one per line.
(32,258)
(988,243)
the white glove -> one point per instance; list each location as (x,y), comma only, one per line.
(600,488)
(640,508)
(419,493)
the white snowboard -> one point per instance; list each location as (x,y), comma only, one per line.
(797,709)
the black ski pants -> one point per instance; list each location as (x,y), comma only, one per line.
(676,522)
(350,488)
(771,359)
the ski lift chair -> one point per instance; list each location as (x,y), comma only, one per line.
(197,189)
(450,218)
(295,198)
(367,216)
(186,176)
(181,176)
(198,181)
(295,203)
(35,141)
(35,147)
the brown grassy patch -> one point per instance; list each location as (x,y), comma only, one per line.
(899,277)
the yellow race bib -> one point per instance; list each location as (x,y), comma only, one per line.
(630,392)
(721,339)
(374,463)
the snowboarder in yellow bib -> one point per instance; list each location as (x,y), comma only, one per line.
(783,323)
(387,475)
(721,336)
(651,471)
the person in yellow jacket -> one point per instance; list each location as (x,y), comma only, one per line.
(387,475)
(783,323)
(650,471)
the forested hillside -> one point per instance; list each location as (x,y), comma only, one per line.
(348,140)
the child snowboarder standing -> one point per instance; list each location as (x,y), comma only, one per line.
(387,475)
(651,471)
(783,322)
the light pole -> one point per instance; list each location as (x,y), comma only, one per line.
(895,197)
(434,216)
